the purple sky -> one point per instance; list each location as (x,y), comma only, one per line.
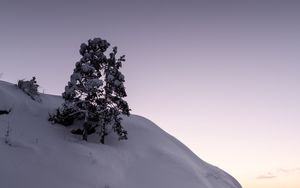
(223,77)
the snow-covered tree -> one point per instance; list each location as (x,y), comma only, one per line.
(30,88)
(95,93)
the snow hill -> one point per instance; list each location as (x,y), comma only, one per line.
(41,155)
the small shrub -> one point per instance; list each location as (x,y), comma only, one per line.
(30,88)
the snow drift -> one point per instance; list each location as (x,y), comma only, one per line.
(41,155)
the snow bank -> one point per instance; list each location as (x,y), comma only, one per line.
(43,155)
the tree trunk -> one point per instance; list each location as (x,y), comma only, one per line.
(86,127)
(102,139)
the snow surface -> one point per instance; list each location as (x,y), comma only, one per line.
(42,155)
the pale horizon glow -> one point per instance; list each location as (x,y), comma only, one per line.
(221,77)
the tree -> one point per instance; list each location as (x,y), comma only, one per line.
(95,93)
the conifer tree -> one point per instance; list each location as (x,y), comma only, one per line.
(95,93)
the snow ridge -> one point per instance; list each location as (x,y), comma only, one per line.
(46,155)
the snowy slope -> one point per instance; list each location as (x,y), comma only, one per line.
(43,155)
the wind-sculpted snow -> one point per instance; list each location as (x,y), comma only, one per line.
(42,155)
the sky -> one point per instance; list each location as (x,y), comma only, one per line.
(221,76)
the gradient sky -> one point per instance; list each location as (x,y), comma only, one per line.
(221,76)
